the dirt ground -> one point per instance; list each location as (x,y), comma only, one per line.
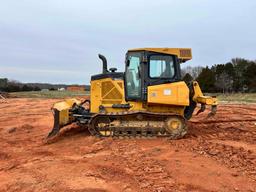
(218,154)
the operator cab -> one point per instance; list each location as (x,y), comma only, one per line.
(145,68)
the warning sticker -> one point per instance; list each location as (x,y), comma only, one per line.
(167,91)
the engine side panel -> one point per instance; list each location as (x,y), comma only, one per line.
(106,92)
(169,94)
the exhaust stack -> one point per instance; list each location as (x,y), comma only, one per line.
(105,64)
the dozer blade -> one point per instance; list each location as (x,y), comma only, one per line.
(56,126)
(62,116)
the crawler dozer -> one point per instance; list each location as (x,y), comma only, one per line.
(148,99)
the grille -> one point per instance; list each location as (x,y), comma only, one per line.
(110,94)
(185,53)
(106,87)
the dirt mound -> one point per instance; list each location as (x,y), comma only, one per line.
(217,154)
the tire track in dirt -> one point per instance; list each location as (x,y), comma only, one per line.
(229,142)
(145,172)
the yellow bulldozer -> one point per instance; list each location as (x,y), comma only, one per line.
(148,99)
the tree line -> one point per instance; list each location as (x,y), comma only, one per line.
(15,86)
(7,85)
(238,75)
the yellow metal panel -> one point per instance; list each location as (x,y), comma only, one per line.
(169,94)
(95,96)
(166,109)
(64,117)
(197,90)
(106,92)
(207,100)
(157,108)
(63,108)
(184,54)
(67,104)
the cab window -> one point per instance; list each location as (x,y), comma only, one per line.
(161,66)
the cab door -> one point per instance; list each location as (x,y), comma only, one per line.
(133,77)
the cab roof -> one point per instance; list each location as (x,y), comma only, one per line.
(183,54)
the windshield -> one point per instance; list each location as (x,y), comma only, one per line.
(161,66)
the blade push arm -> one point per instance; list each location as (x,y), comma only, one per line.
(204,100)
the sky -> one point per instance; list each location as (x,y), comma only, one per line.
(58,41)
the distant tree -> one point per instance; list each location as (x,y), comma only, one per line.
(250,77)
(3,84)
(196,71)
(229,69)
(13,86)
(223,82)
(183,73)
(240,66)
(186,70)
(193,71)
(27,88)
(224,77)
(206,80)
(187,78)
(36,88)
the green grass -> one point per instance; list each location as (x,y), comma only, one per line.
(236,97)
(49,94)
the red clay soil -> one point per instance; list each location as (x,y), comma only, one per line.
(218,154)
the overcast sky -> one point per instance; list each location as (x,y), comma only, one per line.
(57,41)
